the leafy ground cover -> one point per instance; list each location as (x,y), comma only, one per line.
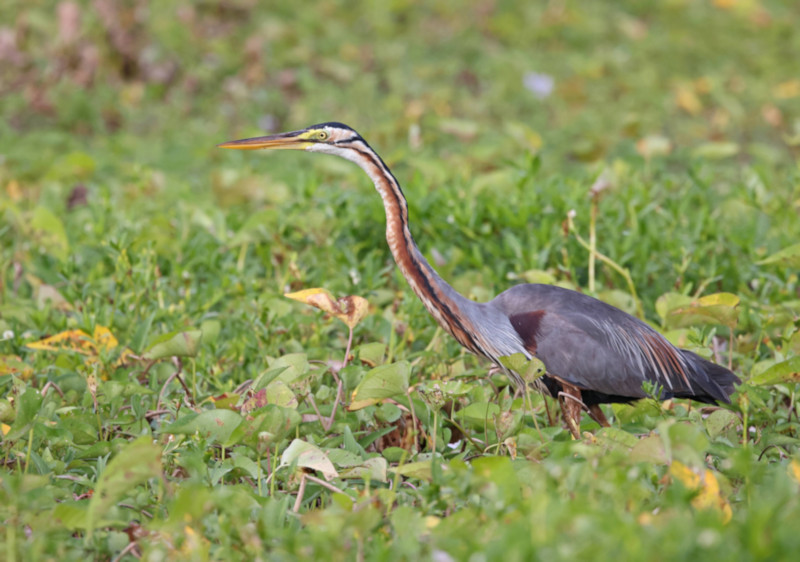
(162,398)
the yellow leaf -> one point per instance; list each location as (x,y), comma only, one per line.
(72,340)
(303,295)
(78,341)
(687,100)
(794,470)
(350,309)
(5,428)
(709,496)
(686,475)
(13,190)
(788,89)
(104,339)
(13,365)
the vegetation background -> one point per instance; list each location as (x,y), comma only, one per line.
(162,399)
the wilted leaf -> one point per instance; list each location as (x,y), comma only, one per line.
(384,381)
(175,344)
(788,257)
(137,462)
(785,371)
(705,483)
(350,310)
(308,456)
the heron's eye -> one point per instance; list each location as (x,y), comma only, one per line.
(322,135)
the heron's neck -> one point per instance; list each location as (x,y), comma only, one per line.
(450,308)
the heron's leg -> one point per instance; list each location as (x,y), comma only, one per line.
(597,415)
(571,407)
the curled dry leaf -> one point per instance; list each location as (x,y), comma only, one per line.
(350,309)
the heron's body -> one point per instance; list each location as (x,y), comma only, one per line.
(593,352)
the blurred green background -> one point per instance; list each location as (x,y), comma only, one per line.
(498,118)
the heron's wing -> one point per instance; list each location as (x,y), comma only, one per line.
(595,346)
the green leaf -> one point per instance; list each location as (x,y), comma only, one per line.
(613,438)
(51,233)
(210,330)
(296,365)
(788,257)
(28,404)
(175,344)
(718,308)
(720,421)
(278,392)
(214,425)
(271,425)
(529,369)
(384,381)
(716,150)
(372,353)
(785,371)
(479,415)
(136,463)
(72,515)
(374,468)
(650,450)
(420,470)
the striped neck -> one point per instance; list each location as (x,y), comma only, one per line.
(448,306)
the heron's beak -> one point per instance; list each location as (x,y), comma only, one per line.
(295,140)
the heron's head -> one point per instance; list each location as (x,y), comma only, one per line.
(332,138)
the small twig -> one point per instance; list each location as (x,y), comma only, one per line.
(47,386)
(592,244)
(611,263)
(339,388)
(324,484)
(131,548)
(413,420)
(179,365)
(169,380)
(300,493)
(322,420)
(347,350)
(134,508)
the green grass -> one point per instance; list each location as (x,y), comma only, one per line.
(117,211)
